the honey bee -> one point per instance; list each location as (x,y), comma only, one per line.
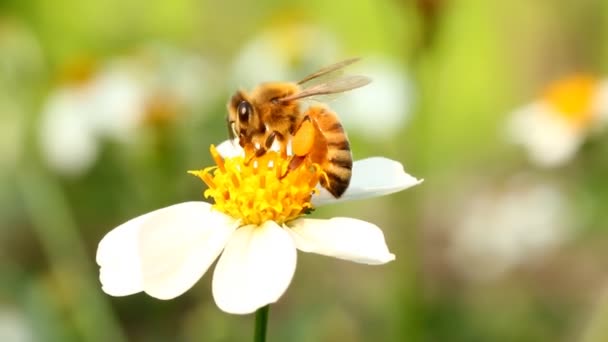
(272,112)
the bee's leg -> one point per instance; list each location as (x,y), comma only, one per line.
(301,143)
(294,163)
(275,135)
(261,150)
(270,139)
(248,148)
(304,138)
(250,153)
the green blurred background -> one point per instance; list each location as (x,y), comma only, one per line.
(104,106)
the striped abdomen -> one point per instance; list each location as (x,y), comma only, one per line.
(332,150)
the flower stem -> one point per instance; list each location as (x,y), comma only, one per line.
(261,320)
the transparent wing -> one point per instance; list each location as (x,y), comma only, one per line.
(327,99)
(338,85)
(337,67)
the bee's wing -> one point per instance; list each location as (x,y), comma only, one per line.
(338,85)
(329,69)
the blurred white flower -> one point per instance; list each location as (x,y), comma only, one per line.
(254,228)
(284,53)
(14,326)
(499,229)
(381,108)
(187,77)
(68,140)
(553,127)
(154,85)
(117,102)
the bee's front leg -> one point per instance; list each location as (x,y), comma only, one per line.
(248,148)
(274,135)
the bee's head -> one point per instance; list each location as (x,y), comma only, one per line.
(242,119)
(247,112)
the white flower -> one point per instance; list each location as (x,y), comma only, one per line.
(499,229)
(115,102)
(67,139)
(283,53)
(553,128)
(381,108)
(76,116)
(165,252)
(15,325)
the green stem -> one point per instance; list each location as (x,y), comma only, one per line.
(261,321)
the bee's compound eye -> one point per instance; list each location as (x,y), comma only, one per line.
(244,110)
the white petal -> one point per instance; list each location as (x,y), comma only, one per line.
(230,148)
(255,269)
(178,244)
(549,140)
(372,177)
(342,237)
(118,257)
(163,252)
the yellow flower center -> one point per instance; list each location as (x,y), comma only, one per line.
(259,189)
(572,98)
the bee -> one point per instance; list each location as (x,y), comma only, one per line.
(272,112)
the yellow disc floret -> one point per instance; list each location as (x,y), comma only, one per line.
(263,188)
